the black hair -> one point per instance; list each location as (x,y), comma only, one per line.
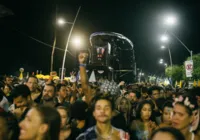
(51,117)
(12,128)
(52,85)
(32,76)
(167,104)
(144,90)
(7,86)
(139,109)
(151,89)
(20,90)
(103,96)
(78,110)
(177,135)
(58,87)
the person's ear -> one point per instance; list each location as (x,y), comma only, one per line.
(43,128)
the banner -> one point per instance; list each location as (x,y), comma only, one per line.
(189,68)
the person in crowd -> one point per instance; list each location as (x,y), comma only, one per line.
(134,97)
(9,129)
(144,93)
(62,95)
(166,114)
(6,90)
(65,131)
(49,95)
(9,80)
(32,83)
(4,103)
(167,133)
(102,111)
(79,121)
(124,106)
(21,101)
(144,125)
(183,116)
(40,123)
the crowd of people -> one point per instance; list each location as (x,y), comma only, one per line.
(61,110)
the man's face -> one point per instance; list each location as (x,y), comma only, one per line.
(20,102)
(155,94)
(62,92)
(32,84)
(48,93)
(103,111)
(133,97)
(9,80)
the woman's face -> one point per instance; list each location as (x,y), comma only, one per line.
(146,112)
(64,117)
(30,126)
(124,105)
(167,115)
(180,118)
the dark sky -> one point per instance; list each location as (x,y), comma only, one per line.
(140,21)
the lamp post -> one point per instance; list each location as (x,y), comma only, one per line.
(59,22)
(67,44)
(171,20)
(165,38)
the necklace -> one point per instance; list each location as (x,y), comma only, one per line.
(103,137)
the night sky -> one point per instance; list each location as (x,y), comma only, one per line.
(141,21)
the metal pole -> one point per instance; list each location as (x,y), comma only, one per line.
(190,51)
(54,44)
(53,50)
(67,44)
(170,57)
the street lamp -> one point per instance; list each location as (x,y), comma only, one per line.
(170,20)
(61,21)
(162,47)
(67,44)
(164,38)
(77,41)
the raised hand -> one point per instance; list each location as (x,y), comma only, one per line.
(82,58)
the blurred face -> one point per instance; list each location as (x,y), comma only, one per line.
(181,119)
(63,92)
(9,80)
(6,90)
(198,100)
(32,84)
(133,97)
(64,117)
(48,93)
(155,94)
(124,105)
(167,115)
(29,127)
(20,102)
(146,112)
(144,95)
(103,111)
(163,136)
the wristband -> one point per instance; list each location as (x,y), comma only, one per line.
(82,65)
